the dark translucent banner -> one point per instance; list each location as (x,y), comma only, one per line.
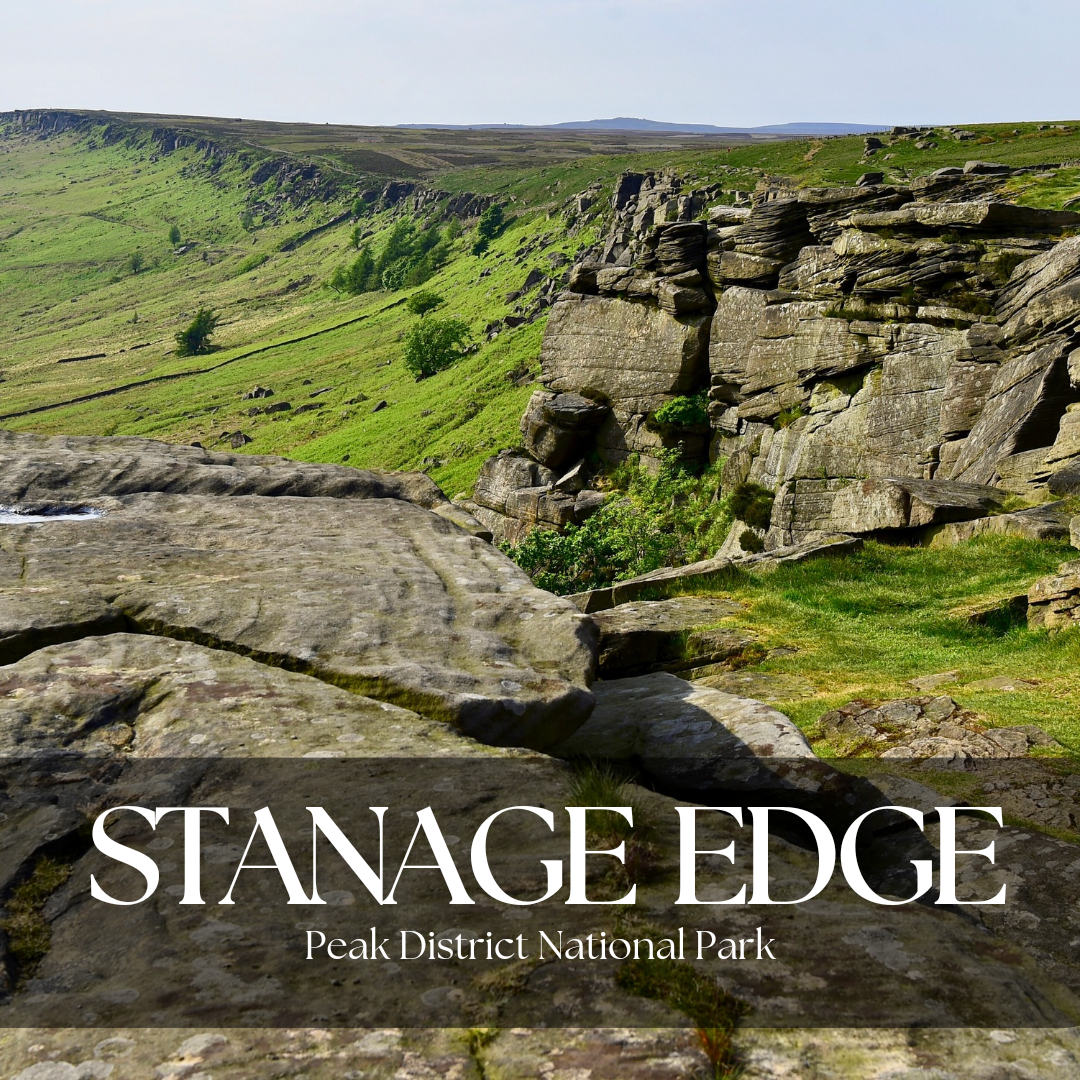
(462,891)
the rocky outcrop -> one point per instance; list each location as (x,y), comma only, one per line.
(377,595)
(1054,601)
(920,728)
(854,342)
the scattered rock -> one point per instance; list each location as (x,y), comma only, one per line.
(257,392)
(926,727)
(238,439)
(932,682)
(278,407)
(379,406)
(1054,601)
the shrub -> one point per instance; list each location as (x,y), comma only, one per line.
(752,504)
(359,276)
(136,262)
(196,338)
(492,222)
(683,412)
(751,542)
(666,519)
(432,344)
(174,234)
(360,208)
(356,236)
(408,258)
(424,301)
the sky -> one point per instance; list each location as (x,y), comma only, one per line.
(545,61)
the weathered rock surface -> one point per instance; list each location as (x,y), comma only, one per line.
(926,727)
(660,635)
(1054,601)
(40,469)
(854,334)
(695,741)
(665,582)
(610,350)
(376,595)
(156,697)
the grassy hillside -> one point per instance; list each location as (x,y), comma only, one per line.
(80,211)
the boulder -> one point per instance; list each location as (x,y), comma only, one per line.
(1054,601)
(376,595)
(698,743)
(872,506)
(613,350)
(1047,522)
(506,472)
(557,427)
(657,635)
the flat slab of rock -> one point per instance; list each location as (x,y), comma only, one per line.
(671,580)
(40,469)
(658,584)
(149,696)
(696,742)
(660,635)
(376,595)
(1048,522)
(768,686)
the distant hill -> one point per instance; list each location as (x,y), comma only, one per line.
(633,123)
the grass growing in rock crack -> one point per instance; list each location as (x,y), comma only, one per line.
(864,624)
(714,1012)
(29,934)
(603,784)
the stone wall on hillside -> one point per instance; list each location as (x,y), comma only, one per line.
(853,343)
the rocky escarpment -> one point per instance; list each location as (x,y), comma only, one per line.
(883,359)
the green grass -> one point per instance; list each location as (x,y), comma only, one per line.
(75,207)
(866,623)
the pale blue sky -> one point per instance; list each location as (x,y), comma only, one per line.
(493,61)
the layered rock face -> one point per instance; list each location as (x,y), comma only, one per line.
(884,358)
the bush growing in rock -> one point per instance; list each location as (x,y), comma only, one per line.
(663,520)
(431,345)
(752,504)
(683,412)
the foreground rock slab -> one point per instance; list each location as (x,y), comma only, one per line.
(38,469)
(375,595)
(660,635)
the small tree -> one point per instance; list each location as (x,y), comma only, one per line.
(434,344)
(424,301)
(174,234)
(490,225)
(196,338)
(136,262)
